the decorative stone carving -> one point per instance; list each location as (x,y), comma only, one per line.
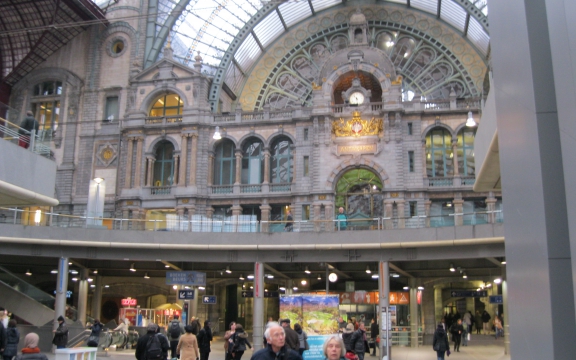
(356,126)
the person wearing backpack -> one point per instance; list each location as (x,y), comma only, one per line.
(151,346)
(239,343)
(204,338)
(175,330)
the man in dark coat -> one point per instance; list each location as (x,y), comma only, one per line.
(358,341)
(2,338)
(204,337)
(291,335)
(60,334)
(440,343)
(374,332)
(276,348)
(143,342)
(28,124)
(457,330)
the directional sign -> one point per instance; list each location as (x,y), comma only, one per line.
(496,299)
(209,299)
(193,278)
(460,293)
(185,294)
(267,294)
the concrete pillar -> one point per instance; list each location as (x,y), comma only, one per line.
(151,162)
(194,161)
(455,156)
(128,179)
(506,317)
(82,296)
(194,304)
(265,217)
(258,312)
(266,165)
(329,215)
(209,212)
(414,321)
(317,224)
(138,167)
(97,298)
(438,304)
(458,209)
(427,204)
(210,168)
(61,289)
(384,306)
(238,179)
(388,212)
(183,161)
(401,215)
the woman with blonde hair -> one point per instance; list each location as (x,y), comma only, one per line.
(188,345)
(334,348)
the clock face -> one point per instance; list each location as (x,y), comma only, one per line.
(356,98)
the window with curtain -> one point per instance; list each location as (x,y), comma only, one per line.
(167,105)
(281,162)
(224,163)
(164,164)
(439,153)
(465,150)
(252,162)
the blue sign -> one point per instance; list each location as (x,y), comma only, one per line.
(193,278)
(482,293)
(496,299)
(185,295)
(315,342)
(209,299)
(267,294)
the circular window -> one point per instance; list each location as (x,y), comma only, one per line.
(116,46)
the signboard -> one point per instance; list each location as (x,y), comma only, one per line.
(185,294)
(349,286)
(496,299)
(459,293)
(193,278)
(357,149)
(267,294)
(128,302)
(372,297)
(209,299)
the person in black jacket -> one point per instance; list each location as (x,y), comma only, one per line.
(60,334)
(457,329)
(291,336)
(143,342)
(204,338)
(440,343)
(358,341)
(374,332)
(276,348)
(2,338)
(12,339)
(239,343)
(94,338)
(28,124)
(31,351)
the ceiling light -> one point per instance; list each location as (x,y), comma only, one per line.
(73,272)
(74,279)
(166,266)
(106,286)
(146,276)
(28,272)
(250,277)
(319,277)
(306,270)
(333,277)
(452,268)
(282,288)
(174,287)
(186,287)
(406,288)
(98,180)
(132,268)
(92,286)
(201,288)
(420,287)
(395,275)
(368,271)
(295,288)
(303,282)
(251,287)
(265,290)
(95,271)
(497,281)
(54,272)
(488,285)
(270,276)
(478,289)
(228,271)
(375,276)
(70,263)
(464,276)
(470,121)
(241,277)
(89,279)
(217,135)
(503,262)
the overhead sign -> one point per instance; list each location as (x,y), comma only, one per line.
(128,302)
(185,294)
(267,294)
(496,299)
(482,293)
(373,297)
(209,299)
(193,278)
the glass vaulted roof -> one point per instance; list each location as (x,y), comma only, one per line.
(209,26)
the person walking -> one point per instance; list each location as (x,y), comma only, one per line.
(12,339)
(302,339)
(291,335)
(204,339)
(239,343)
(150,346)
(60,334)
(358,342)
(31,351)
(228,340)
(440,342)
(289,222)
(94,337)
(28,124)
(486,322)
(498,328)
(478,322)
(175,330)
(187,346)
(374,332)
(347,336)
(457,329)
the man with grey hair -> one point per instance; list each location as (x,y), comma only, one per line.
(276,348)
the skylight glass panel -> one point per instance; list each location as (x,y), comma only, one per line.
(482,5)
(320,5)
(247,53)
(478,36)
(269,29)
(293,12)
(398,1)
(233,77)
(453,14)
(430,6)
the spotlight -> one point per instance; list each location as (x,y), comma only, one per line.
(28,272)
(368,271)
(282,288)
(452,268)
(241,277)
(228,271)
(406,288)
(54,272)
(503,262)
(132,268)
(92,286)
(497,281)
(251,276)
(95,271)
(420,287)
(375,276)
(319,277)
(464,276)
(174,287)
(295,288)
(303,282)
(70,263)
(73,272)
(306,270)
(470,121)
(74,279)
(146,276)
(217,135)
(106,286)
(166,266)
(394,275)
(89,279)
(270,276)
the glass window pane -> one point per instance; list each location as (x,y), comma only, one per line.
(172,100)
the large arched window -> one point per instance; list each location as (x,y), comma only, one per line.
(252,162)
(439,153)
(167,105)
(281,162)
(164,165)
(46,106)
(224,163)
(465,151)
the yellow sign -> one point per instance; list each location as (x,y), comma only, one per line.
(357,149)
(356,126)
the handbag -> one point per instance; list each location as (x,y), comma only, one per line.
(436,347)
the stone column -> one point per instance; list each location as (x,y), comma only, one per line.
(238,179)
(61,289)
(209,212)
(266,166)
(384,304)
(329,216)
(210,168)
(317,224)
(427,204)
(128,179)
(401,215)
(458,209)
(438,304)
(258,311)
(125,217)
(424,159)
(265,214)
(455,157)
(194,160)
(97,298)
(183,161)
(82,296)
(388,212)
(491,207)
(150,175)
(414,321)
(138,167)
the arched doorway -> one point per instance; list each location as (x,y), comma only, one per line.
(359,192)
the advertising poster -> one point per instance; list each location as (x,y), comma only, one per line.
(291,308)
(320,314)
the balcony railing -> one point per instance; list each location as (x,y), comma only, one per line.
(283,187)
(250,188)
(32,141)
(160,190)
(222,189)
(440,181)
(157,120)
(249,223)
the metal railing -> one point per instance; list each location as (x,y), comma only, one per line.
(29,140)
(248,223)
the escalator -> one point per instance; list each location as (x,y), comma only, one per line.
(108,339)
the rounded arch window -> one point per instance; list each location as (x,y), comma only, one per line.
(439,153)
(45,105)
(117,47)
(224,163)
(164,164)
(359,192)
(281,162)
(465,151)
(167,105)
(252,162)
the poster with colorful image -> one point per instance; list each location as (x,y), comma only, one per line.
(291,308)
(320,314)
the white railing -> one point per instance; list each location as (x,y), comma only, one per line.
(29,140)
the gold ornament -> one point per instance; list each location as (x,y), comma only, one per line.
(356,126)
